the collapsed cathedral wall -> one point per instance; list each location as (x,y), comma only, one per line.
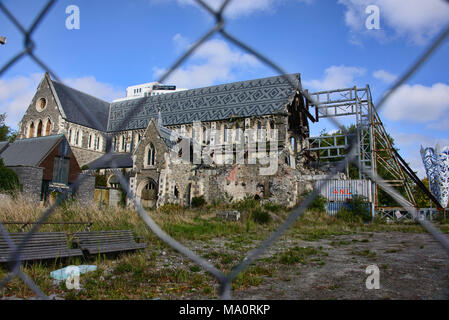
(230,183)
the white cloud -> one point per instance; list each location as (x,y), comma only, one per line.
(336,77)
(410,146)
(419,104)
(239,8)
(16,93)
(418,20)
(385,76)
(407,140)
(215,61)
(91,86)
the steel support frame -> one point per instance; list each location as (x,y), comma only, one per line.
(373,145)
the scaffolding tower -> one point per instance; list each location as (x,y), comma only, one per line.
(374,147)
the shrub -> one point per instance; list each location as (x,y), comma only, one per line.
(272,207)
(357,211)
(318,204)
(198,202)
(9,181)
(260,216)
(247,204)
(348,216)
(171,208)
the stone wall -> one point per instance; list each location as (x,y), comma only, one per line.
(34,114)
(86,190)
(229,183)
(31,180)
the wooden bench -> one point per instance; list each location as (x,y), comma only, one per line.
(41,246)
(98,242)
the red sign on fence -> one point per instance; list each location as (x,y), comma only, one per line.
(342,191)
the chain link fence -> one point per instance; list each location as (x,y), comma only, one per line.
(219,27)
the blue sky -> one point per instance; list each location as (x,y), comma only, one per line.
(123,43)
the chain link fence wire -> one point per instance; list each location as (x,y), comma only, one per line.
(225,280)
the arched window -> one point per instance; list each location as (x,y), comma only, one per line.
(48,128)
(205,136)
(225,133)
(39,128)
(70,135)
(90,141)
(77,137)
(123,143)
(150,186)
(98,143)
(259,130)
(31,131)
(272,127)
(114,144)
(151,156)
(237,132)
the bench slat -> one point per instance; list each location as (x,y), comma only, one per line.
(45,255)
(41,245)
(114,249)
(107,241)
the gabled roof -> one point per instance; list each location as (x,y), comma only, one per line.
(29,152)
(240,99)
(71,100)
(3,145)
(112,160)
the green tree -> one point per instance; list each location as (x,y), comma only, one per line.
(422,201)
(9,181)
(6,133)
(384,198)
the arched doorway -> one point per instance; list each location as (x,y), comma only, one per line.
(148,193)
(114,182)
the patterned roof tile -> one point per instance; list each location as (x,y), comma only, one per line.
(243,99)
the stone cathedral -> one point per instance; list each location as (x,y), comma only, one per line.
(145,130)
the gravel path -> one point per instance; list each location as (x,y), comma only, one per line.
(412,266)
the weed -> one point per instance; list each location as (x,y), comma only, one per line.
(297,255)
(260,216)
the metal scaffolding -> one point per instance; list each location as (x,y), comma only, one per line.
(375,148)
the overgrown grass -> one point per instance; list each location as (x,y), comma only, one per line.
(149,273)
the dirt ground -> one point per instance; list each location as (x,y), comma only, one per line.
(412,266)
